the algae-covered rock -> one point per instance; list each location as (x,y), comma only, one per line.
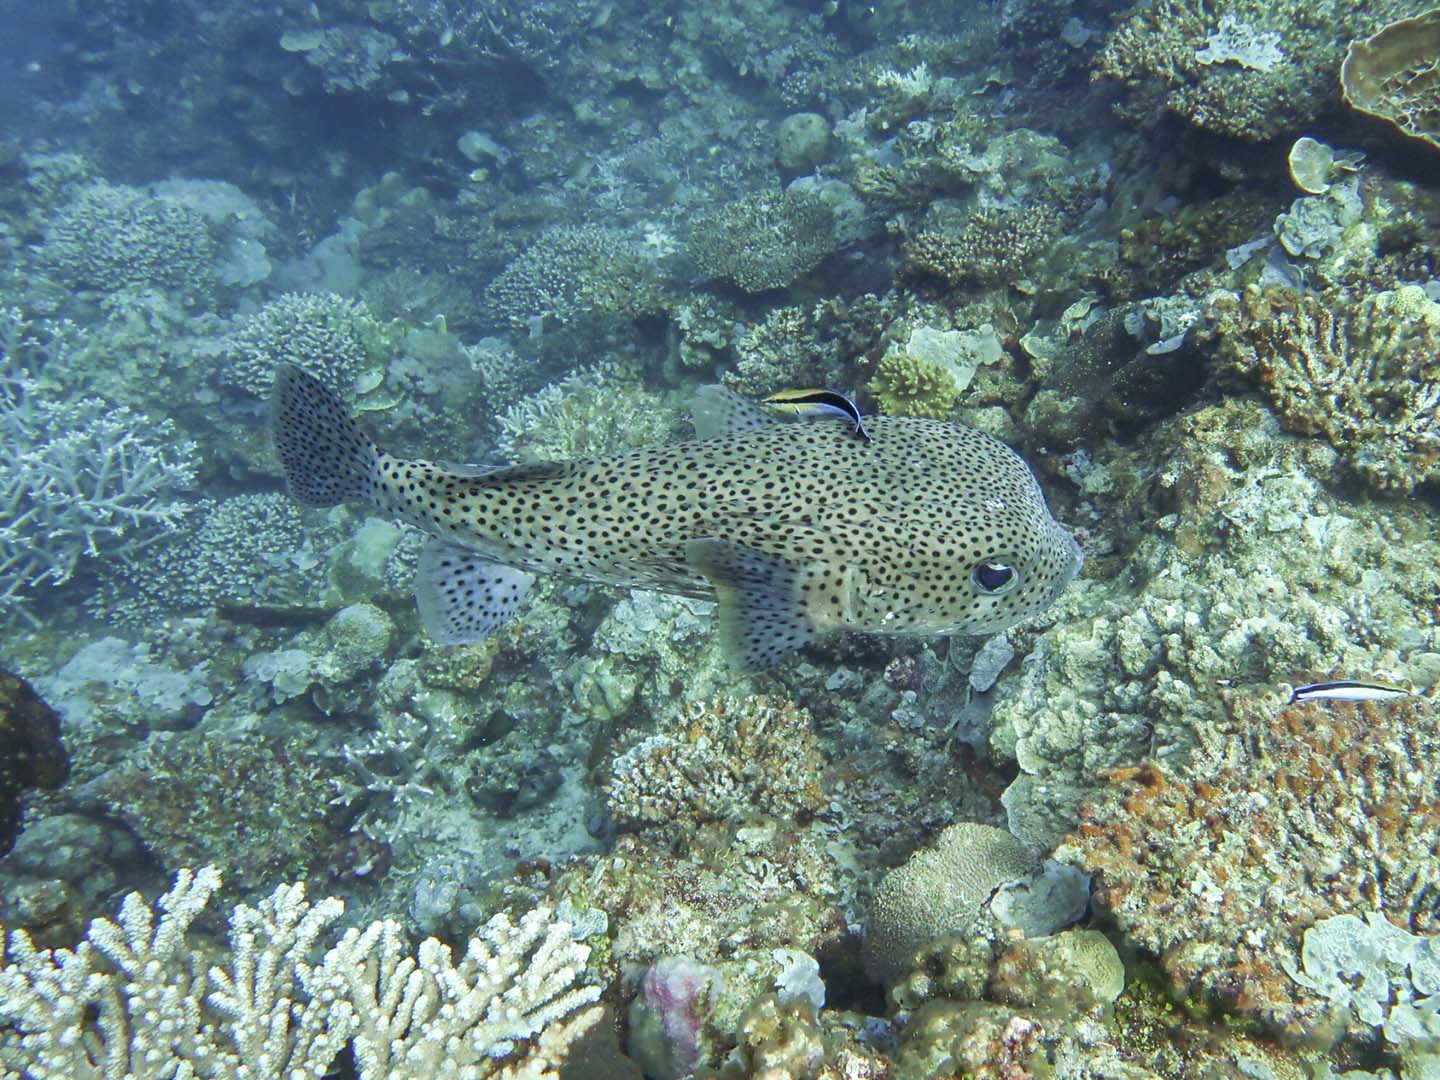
(33,756)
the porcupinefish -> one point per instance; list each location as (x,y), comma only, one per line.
(792,528)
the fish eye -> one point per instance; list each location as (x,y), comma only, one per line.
(993,579)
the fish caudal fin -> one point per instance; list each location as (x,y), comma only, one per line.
(462,597)
(761,611)
(327,458)
(717,411)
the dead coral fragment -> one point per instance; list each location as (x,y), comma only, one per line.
(1363,372)
(1395,74)
(1317,810)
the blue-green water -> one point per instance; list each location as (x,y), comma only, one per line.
(686,810)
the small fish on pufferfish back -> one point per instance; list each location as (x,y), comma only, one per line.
(794,529)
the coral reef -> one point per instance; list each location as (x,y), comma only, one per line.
(725,760)
(1247,567)
(1240,68)
(765,241)
(143,996)
(1289,817)
(1359,369)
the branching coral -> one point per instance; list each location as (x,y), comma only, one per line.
(575,271)
(82,479)
(324,334)
(993,248)
(764,242)
(1363,372)
(1312,811)
(141,997)
(726,761)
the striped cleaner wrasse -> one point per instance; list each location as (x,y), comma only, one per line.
(793,529)
(812,403)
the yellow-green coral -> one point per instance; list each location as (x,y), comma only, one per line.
(907,385)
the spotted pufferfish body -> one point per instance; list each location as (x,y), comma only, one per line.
(794,528)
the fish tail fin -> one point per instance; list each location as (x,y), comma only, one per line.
(327,458)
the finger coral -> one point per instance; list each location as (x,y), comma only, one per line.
(1363,372)
(1307,812)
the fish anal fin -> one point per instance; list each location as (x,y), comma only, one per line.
(463,597)
(760,598)
(717,411)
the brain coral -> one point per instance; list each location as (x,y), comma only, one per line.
(1363,372)
(939,891)
(1295,815)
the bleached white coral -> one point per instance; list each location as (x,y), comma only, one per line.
(1237,42)
(136,1000)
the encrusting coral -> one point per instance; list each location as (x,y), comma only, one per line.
(1296,815)
(140,997)
(1362,371)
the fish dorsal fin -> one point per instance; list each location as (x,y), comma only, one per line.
(462,597)
(718,411)
(761,608)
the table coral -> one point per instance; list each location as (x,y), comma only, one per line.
(1362,371)
(1297,814)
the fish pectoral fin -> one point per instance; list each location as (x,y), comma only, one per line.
(717,411)
(761,609)
(463,597)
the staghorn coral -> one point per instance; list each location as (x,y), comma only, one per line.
(83,480)
(143,997)
(726,760)
(1296,814)
(1363,372)
(765,241)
